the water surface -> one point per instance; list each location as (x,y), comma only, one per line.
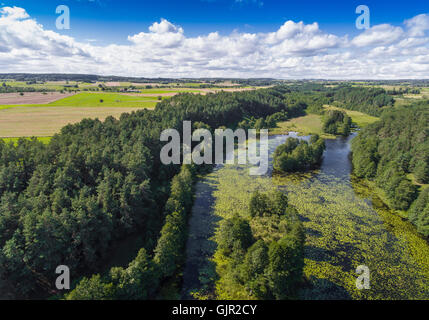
(346,226)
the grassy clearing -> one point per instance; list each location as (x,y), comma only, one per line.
(359,118)
(306,125)
(45,140)
(46,121)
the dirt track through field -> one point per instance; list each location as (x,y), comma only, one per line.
(45,121)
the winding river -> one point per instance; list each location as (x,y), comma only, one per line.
(346,226)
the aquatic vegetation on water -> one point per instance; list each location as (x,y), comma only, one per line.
(346,226)
(345,231)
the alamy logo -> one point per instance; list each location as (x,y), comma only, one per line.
(63,280)
(362,22)
(63,21)
(362,282)
(224,139)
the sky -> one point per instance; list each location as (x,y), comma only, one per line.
(217,38)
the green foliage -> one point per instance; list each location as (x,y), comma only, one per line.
(138,281)
(419,213)
(393,147)
(234,237)
(336,122)
(298,155)
(142,278)
(69,201)
(267,204)
(286,263)
(365,156)
(265,269)
(94,288)
(421,171)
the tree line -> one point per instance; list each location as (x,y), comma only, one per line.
(393,152)
(367,100)
(336,122)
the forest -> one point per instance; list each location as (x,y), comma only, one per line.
(96,182)
(372,101)
(392,153)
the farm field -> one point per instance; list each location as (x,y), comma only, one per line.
(37,114)
(105,100)
(15,98)
(85,99)
(46,121)
(48,85)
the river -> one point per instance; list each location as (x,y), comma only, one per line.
(346,226)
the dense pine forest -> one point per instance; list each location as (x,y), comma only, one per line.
(372,101)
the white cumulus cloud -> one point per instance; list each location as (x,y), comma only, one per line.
(295,50)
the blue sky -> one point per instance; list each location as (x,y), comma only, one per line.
(113,20)
(218,38)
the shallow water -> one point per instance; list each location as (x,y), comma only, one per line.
(346,226)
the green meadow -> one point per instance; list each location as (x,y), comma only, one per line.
(305,125)
(86,99)
(15,139)
(312,123)
(359,118)
(47,119)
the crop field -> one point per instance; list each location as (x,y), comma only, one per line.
(42,115)
(105,100)
(46,121)
(48,113)
(15,98)
(49,85)
(96,100)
